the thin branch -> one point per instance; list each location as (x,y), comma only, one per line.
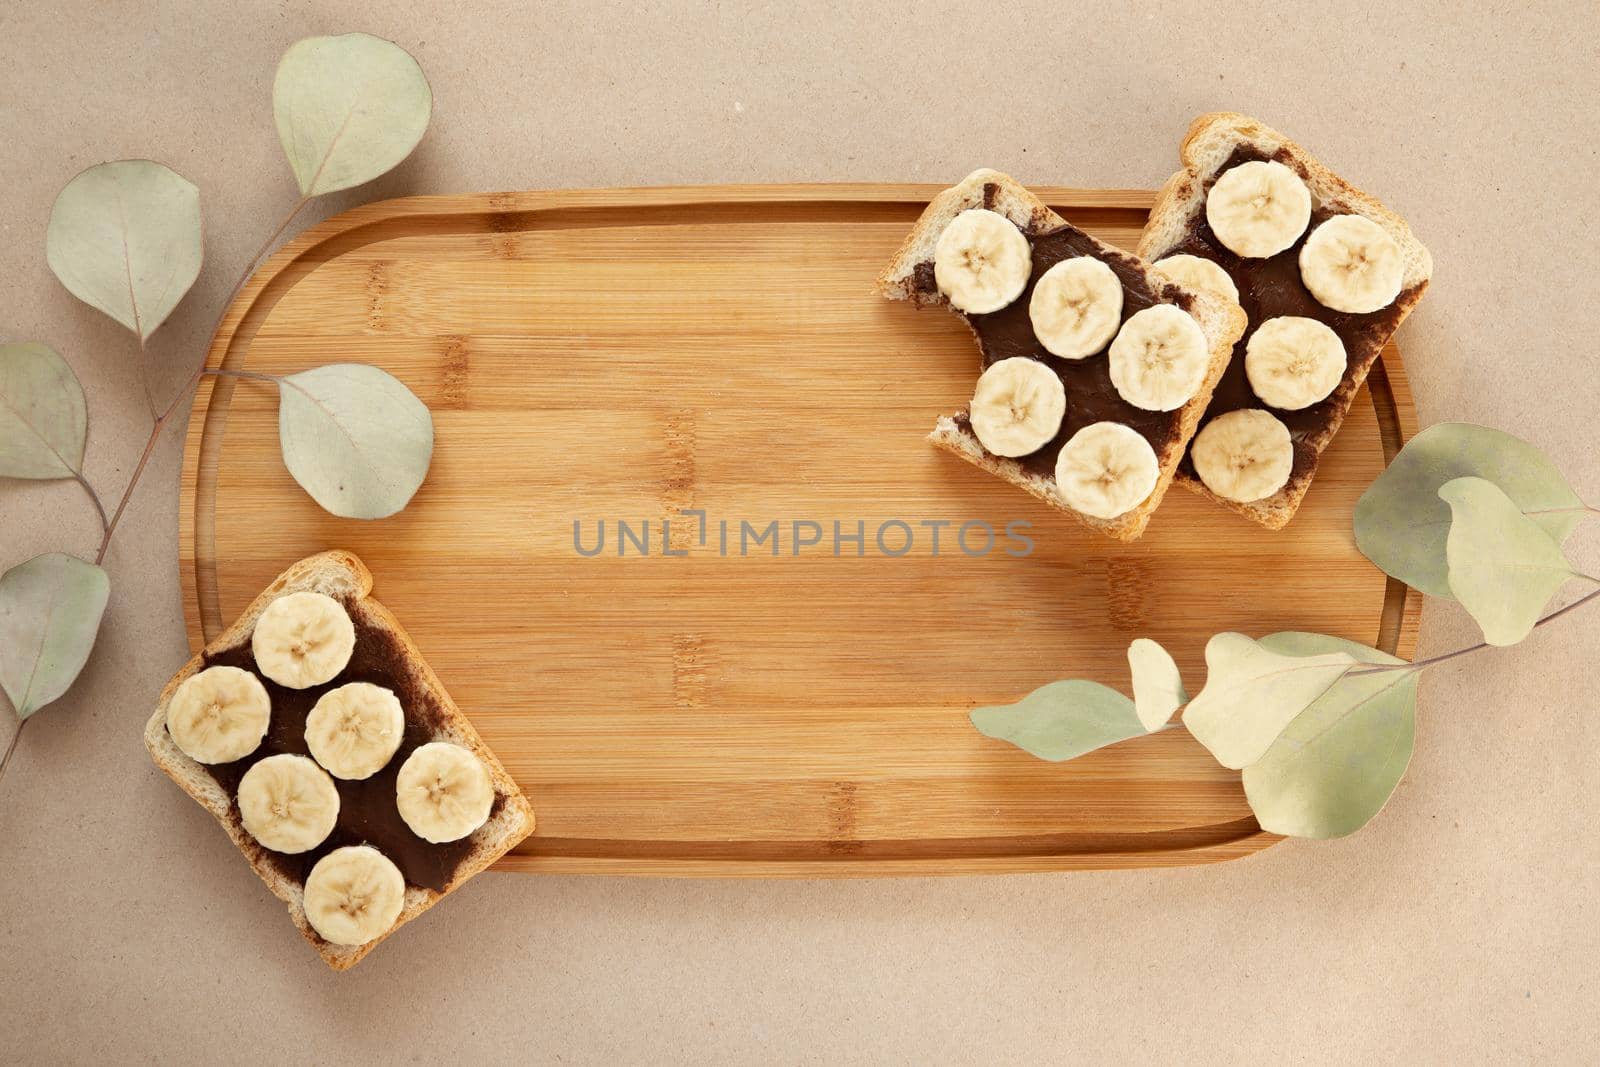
(127,494)
(218,372)
(1481,645)
(1586,509)
(144,378)
(12,747)
(265,247)
(194,379)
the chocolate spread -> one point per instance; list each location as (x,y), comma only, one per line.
(367,811)
(1091,397)
(1271,287)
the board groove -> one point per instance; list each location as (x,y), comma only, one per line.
(698,736)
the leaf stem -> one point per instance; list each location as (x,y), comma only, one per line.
(194,380)
(94,498)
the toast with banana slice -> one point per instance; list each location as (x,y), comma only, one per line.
(1325,273)
(1095,369)
(318,737)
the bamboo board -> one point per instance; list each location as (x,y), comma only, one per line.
(643,354)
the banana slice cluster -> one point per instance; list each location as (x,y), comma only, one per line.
(290,803)
(1260,208)
(1158,356)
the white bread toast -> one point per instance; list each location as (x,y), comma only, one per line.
(342,576)
(1210,143)
(1219,320)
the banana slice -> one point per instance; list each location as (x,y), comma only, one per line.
(982,261)
(1350,263)
(1017,407)
(1106,469)
(1293,362)
(219,715)
(444,792)
(303,639)
(1076,307)
(353,895)
(1159,359)
(1244,455)
(355,729)
(1199,274)
(1258,209)
(288,803)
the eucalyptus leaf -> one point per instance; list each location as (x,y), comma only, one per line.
(1338,762)
(348,109)
(1401,523)
(125,237)
(1504,566)
(50,609)
(355,438)
(1252,693)
(1062,720)
(43,419)
(1157,685)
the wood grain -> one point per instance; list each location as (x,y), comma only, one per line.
(641,354)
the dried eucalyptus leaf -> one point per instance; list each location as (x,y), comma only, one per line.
(1062,720)
(1504,567)
(355,438)
(43,420)
(50,609)
(124,237)
(1252,693)
(1401,524)
(348,109)
(1336,765)
(1157,685)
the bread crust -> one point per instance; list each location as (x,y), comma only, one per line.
(1210,141)
(341,575)
(1221,321)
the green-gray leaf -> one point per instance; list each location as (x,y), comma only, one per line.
(50,610)
(1157,685)
(355,438)
(124,237)
(348,109)
(1504,567)
(1339,761)
(1062,720)
(1401,524)
(1252,693)
(43,420)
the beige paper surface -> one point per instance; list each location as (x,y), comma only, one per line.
(1460,926)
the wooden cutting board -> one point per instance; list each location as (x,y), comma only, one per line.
(641,354)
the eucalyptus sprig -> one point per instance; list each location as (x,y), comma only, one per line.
(1321,727)
(126,238)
